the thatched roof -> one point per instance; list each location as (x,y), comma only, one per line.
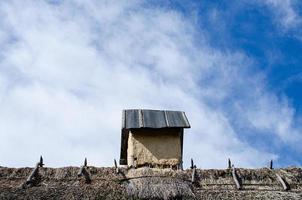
(146,183)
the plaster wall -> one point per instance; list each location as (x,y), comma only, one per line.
(154,146)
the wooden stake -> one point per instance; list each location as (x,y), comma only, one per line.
(229,164)
(193,175)
(85,162)
(192,163)
(41,162)
(116,167)
(236,180)
(271,164)
(35,172)
(84,172)
(283,182)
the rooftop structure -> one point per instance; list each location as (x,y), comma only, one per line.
(152,138)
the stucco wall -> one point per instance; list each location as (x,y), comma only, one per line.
(155,147)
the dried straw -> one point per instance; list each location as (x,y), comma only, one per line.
(148,183)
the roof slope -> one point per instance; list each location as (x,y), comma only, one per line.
(146,183)
(141,118)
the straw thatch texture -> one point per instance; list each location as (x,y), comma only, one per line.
(146,183)
(61,183)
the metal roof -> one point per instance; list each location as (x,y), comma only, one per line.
(141,118)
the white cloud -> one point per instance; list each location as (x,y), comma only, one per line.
(285,12)
(71,68)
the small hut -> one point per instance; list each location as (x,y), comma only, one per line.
(152,138)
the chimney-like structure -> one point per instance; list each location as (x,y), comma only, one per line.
(152,138)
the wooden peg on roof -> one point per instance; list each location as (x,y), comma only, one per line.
(192,164)
(229,163)
(34,174)
(236,179)
(116,167)
(193,175)
(85,162)
(283,182)
(84,172)
(41,162)
(271,164)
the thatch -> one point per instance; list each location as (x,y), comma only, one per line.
(61,183)
(146,183)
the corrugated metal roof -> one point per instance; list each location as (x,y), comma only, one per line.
(141,118)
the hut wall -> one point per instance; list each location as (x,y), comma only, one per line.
(156,147)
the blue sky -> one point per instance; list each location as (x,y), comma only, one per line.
(68,68)
(253,29)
